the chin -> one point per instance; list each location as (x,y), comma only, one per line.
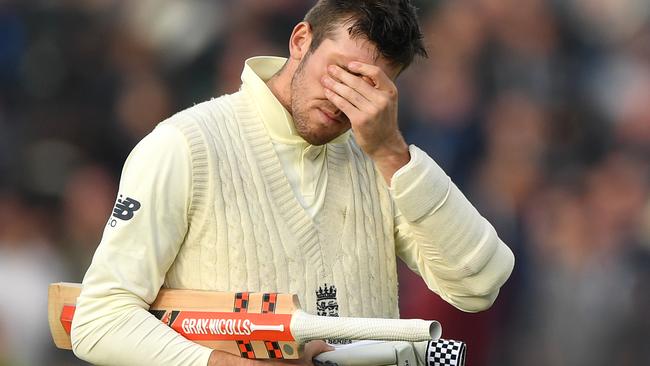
(317,140)
(318,137)
(318,129)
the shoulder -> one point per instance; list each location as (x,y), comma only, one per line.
(212,113)
(210,110)
(165,145)
(163,139)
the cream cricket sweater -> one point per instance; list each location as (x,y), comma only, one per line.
(209,206)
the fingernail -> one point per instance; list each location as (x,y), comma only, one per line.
(331,69)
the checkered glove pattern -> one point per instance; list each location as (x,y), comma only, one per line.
(446,352)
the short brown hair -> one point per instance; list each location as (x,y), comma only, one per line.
(392,25)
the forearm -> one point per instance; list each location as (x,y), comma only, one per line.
(443,237)
(112,324)
(458,255)
(130,336)
(309,351)
(219,358)
(392,157)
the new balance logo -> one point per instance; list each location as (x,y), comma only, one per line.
(125,208)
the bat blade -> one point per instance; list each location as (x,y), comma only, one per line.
(59,315)
(251,325)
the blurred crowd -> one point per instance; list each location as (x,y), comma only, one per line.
(538,109)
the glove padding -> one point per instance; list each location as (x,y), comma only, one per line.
(443,352)
(374,353)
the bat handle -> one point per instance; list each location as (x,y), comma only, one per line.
(306,327)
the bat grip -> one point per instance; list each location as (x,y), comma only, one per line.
(306,327)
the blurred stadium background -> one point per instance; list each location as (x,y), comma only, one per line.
(538,109)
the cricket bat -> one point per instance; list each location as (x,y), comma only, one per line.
(250,325)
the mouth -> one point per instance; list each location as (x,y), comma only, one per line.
(331,117)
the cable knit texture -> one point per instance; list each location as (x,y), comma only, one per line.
(248,231)
(219,213)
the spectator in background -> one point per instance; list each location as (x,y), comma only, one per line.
(28,263)
(580,301)
(88,195)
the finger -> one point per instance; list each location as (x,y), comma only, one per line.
(341,103)
(351,95)
(381,80)
(314,348)
(364,87)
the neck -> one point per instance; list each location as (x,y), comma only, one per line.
(280,86)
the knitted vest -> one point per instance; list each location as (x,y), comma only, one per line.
(248,232)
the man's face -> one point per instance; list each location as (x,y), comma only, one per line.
(316,119)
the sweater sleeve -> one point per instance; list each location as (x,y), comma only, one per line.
(141,239)
(441,236)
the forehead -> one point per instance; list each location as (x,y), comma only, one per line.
(342,49)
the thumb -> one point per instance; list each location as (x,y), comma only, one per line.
(314,348)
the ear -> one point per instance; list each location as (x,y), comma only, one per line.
(300,41)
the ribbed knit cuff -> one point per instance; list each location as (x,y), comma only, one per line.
(420,187)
